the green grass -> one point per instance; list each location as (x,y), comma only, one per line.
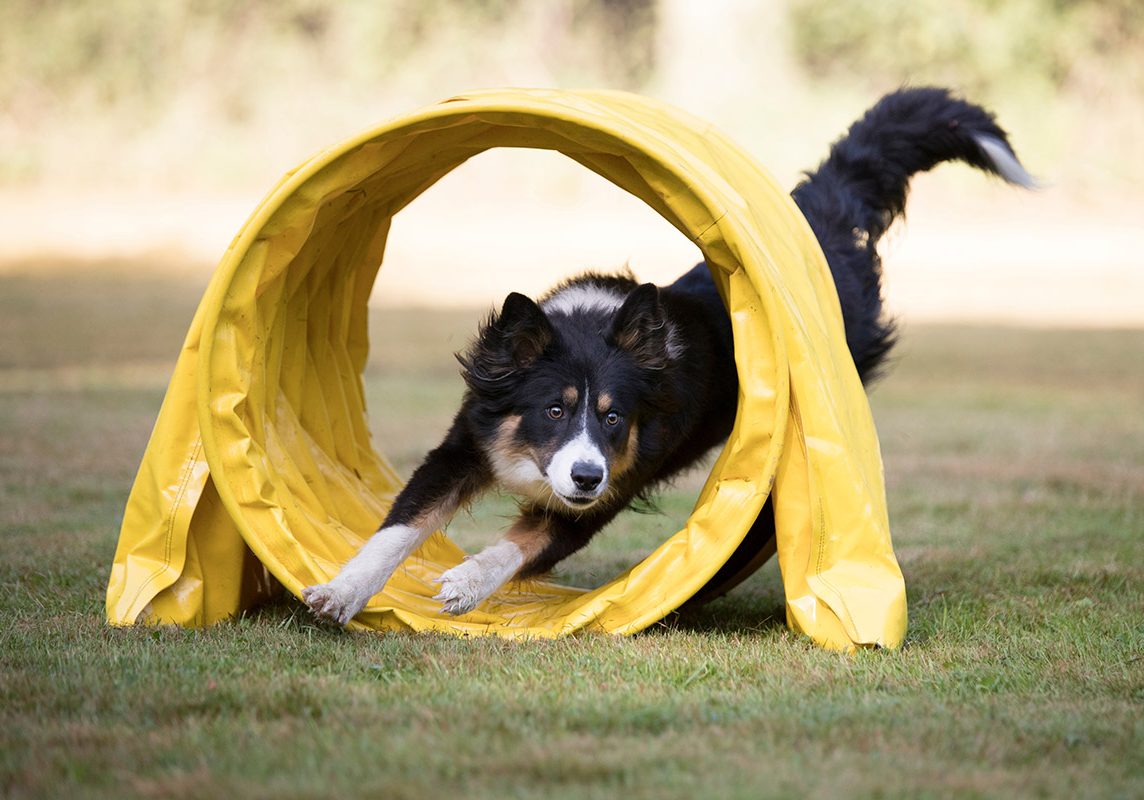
(1015,466)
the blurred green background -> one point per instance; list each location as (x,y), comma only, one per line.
(132,127)
(221,93)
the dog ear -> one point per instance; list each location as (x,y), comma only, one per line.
(507,342)
(525,329)
(641,328)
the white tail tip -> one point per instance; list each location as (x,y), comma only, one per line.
(1006,164)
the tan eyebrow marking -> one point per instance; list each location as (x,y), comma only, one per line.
(604,402)
(571,396)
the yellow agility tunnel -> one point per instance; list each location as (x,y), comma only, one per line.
(261,470)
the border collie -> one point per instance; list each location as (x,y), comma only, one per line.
(584,401)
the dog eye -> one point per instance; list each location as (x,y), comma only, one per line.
(612,418)
(555,411)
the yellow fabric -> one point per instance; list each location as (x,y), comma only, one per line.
(262,446)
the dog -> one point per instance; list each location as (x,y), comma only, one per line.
(585,400)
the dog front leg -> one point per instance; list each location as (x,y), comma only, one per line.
(533,545)
(468,584)
(448,478)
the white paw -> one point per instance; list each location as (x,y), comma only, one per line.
(464,587)
(336,603)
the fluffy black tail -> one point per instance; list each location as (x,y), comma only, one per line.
(856,193)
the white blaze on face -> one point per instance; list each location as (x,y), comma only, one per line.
(580,449)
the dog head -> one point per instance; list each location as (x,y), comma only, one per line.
(558,390)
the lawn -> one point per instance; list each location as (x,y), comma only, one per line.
(1015,470)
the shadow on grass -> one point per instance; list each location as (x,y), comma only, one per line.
(737,613)
(741,612)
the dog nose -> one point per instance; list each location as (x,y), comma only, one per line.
(586,475)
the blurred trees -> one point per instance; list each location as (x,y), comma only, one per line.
(129,70)
(131,55)
(1041,45)
(163,91)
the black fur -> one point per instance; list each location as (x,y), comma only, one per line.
(850,201)
(647,375)
(858,191)
(681,406)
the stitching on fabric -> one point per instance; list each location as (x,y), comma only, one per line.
(818,569)
(699,236)
(184,482)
